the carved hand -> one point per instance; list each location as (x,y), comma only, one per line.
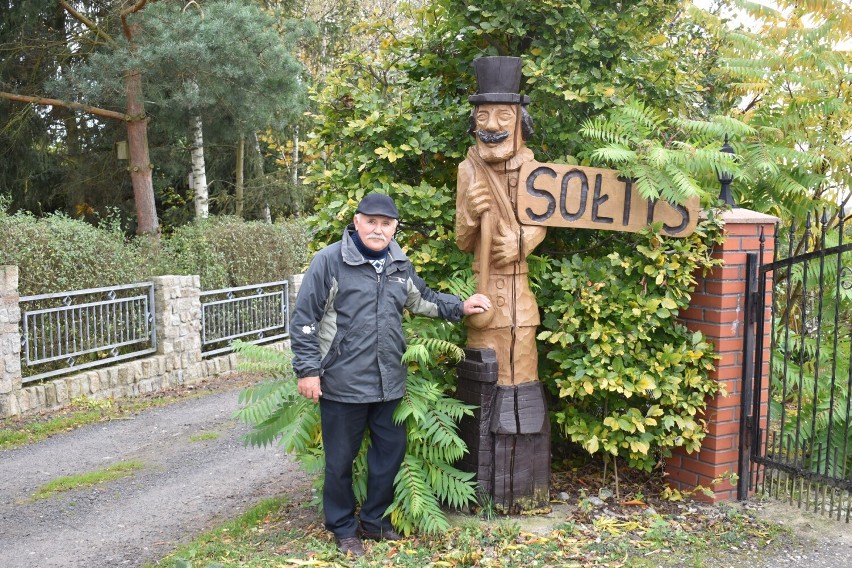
(505,245)
(479,199)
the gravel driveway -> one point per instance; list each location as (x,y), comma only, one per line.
(187,487)
(184,488)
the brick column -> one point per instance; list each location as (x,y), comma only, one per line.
(178,320)
(717,310)
(10,342)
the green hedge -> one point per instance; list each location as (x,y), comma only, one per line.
(56,253)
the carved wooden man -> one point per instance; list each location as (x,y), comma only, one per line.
(486,223)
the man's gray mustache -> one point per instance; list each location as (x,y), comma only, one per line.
(492,137)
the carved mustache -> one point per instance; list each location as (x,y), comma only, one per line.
(492,137)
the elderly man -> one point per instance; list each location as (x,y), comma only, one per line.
(347,341)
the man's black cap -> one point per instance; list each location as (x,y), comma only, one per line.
(378,204)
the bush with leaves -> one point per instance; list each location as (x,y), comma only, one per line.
(427,478)
(56,253)
(632,381)
(227,251)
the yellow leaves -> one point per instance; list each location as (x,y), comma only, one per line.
(640,446)
(387,153)
(615,526)
(645,383)
(592,445)
(657,40)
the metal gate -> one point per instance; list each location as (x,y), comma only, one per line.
(798,447)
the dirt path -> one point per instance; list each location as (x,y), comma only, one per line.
(184,488)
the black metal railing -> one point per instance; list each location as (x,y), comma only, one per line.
(803,453)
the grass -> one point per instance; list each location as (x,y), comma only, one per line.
(12,437)
(88,479)
(279,533)
(203,436)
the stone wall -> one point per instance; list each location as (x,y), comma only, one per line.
(178,360)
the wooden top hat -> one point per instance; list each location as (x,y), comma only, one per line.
(499,80)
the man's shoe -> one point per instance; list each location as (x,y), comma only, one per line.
(350,545)
(389,534)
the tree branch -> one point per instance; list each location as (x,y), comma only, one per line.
(126,12)
(66,104)
(87,22)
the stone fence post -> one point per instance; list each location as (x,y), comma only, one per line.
(717,310)
(178,320)
(10,341)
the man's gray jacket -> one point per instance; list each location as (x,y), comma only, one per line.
(347,325)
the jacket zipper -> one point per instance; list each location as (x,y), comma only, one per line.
(379,288)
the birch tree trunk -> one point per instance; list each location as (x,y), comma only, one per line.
(239,194)
(199,172)
(294,179)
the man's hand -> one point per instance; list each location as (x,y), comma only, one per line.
(477,304)
(309,387)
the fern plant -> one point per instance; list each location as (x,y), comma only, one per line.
(427,478)
(668,157)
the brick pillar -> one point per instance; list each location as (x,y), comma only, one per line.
(717,310)
(178,320)
(10,342)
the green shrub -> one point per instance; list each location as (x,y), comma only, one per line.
(258,252)
(56,253)
(187,251)
(631,380)
(227,251)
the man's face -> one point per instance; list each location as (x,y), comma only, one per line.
(375,231)
(495,131)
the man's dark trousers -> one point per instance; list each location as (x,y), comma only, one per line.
(343,428)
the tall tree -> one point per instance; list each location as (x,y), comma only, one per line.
(788,72)
(225,65)
(93,33)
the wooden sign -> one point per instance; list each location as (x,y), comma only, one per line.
(559,195)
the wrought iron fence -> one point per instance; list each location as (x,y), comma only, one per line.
(256,314)
(804,454)
(69,331)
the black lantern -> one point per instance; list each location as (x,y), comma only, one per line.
(726,177)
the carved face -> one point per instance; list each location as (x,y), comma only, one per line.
(495,131)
